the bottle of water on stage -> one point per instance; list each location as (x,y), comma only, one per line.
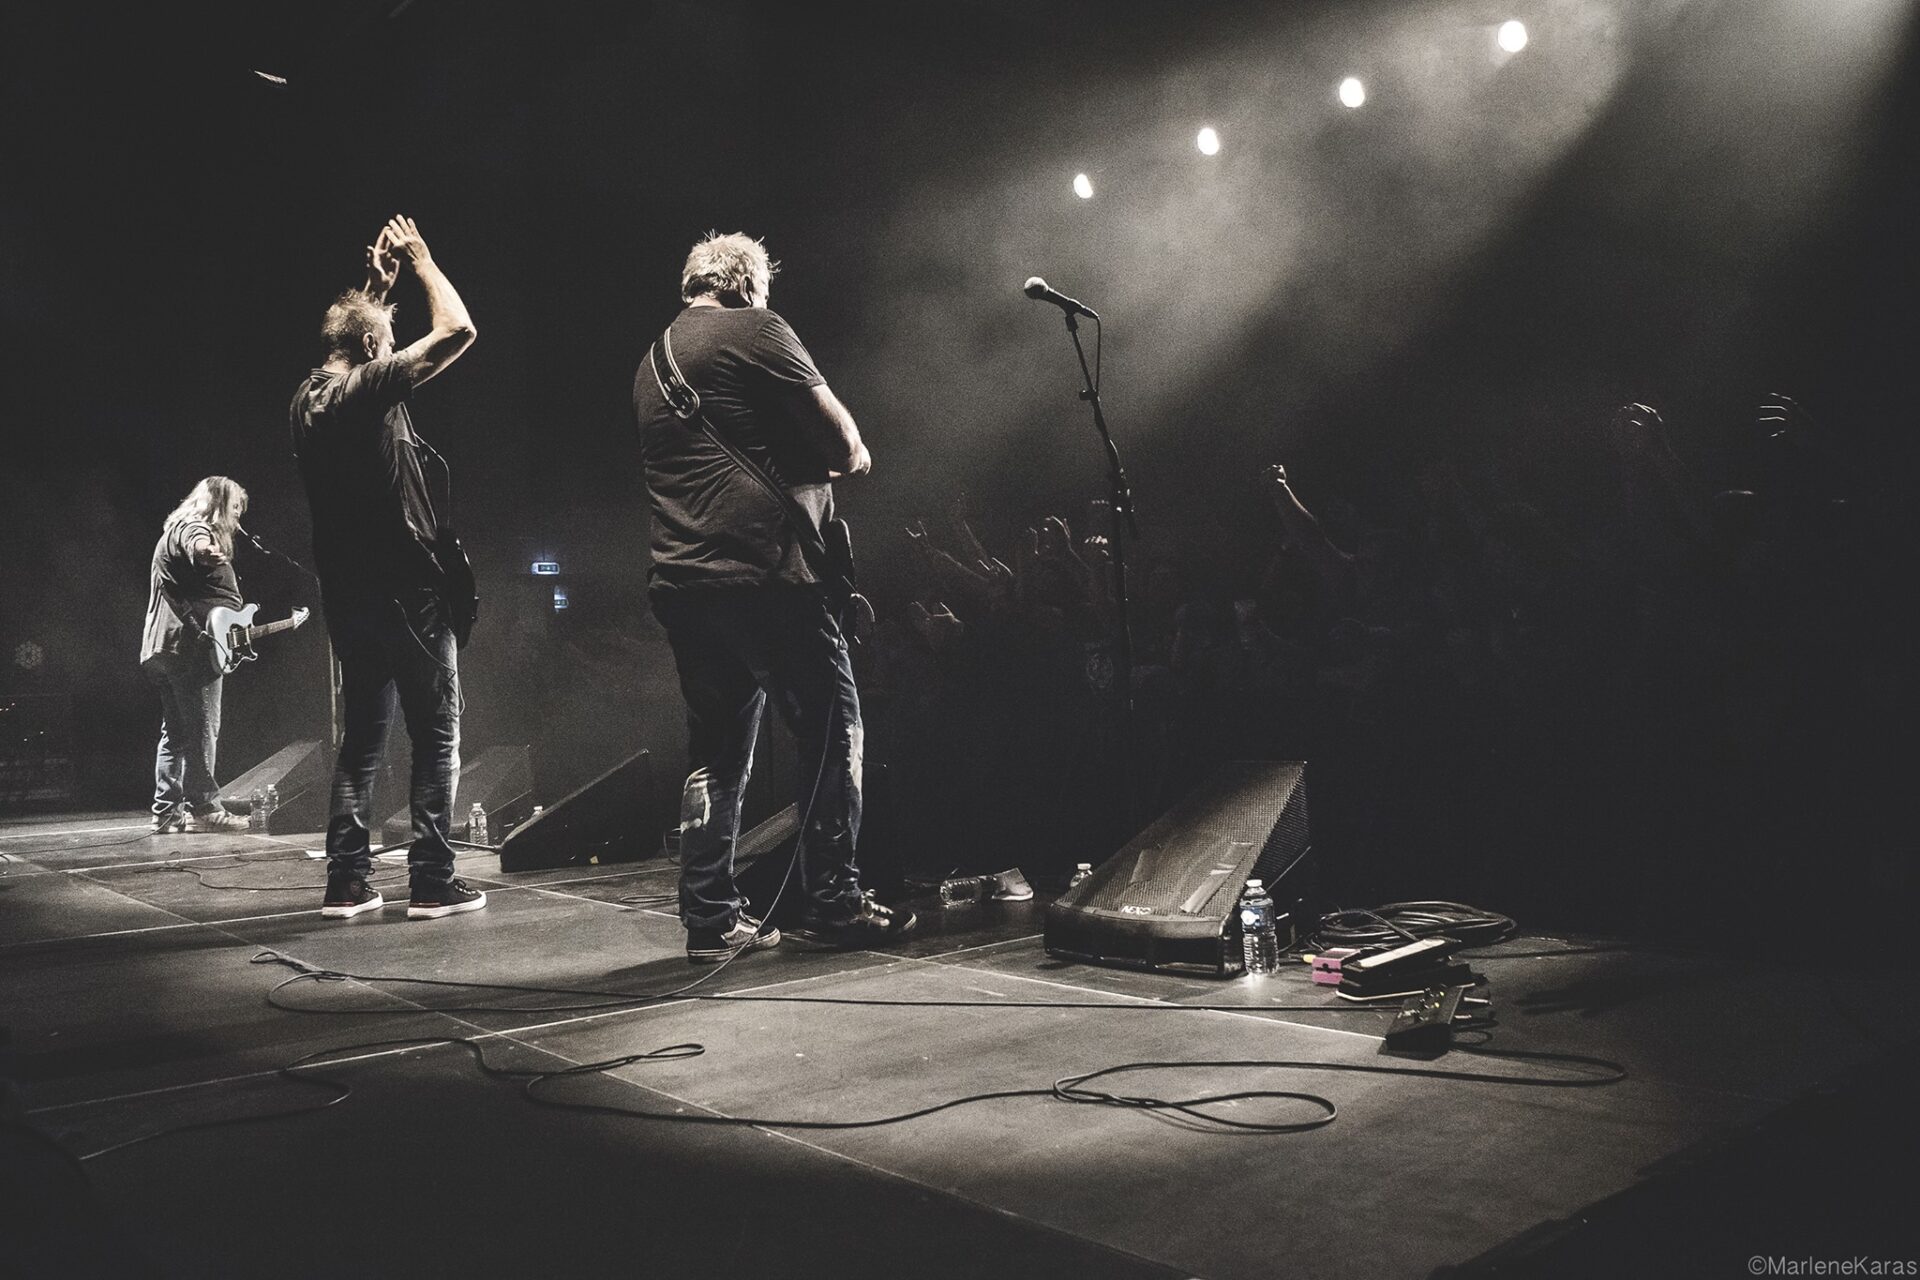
(477,824)
(1259,935)
(1081,871)
(257,810)
(273,803)
(961,889)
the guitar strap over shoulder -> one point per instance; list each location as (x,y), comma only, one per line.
(685,403)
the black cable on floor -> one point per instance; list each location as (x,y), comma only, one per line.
(1398,922)
(341,1090)
(629,999)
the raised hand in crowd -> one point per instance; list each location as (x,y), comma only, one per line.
(937,626)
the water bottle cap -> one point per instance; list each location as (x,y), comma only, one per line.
(1256,883)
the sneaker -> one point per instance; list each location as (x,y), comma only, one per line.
(449,899)
(170,823)
(711,946)
(870,925)
(217,820)
(1010,886)
(348,896)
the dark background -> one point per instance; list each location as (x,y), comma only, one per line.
(1690,203)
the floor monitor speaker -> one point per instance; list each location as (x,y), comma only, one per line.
(500,782)
(614,818)
(1166,900)
(302,772)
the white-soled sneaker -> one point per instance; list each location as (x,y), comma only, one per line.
(348,896)
(711,946)
(1011,886)
(448,900)
(218,820)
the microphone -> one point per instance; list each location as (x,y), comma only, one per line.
(1037,289)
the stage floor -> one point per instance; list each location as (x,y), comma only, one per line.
(134,988)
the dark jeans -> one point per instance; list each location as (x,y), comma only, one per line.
(386,647)
(733,649)
(189,734)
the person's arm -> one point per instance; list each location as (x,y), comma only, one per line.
(452,328)
(1332,565)
(828,428)
(201,548)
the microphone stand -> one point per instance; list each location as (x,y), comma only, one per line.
(1120,502)
(333,663)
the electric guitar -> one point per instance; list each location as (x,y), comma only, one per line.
(231,634)
(458,591)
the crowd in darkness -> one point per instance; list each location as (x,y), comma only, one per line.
(1672,706)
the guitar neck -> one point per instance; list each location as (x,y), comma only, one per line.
(271,628)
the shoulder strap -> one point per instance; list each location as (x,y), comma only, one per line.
(685,403)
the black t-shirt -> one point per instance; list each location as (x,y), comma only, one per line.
(182,590)
(712,525)
(373,519)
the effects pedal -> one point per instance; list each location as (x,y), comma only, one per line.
(1425,1023)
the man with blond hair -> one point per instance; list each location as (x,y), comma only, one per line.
(374,536)
(744,612)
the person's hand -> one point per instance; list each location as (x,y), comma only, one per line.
(1276,476)
(382,267)
(937,626)
(403,239)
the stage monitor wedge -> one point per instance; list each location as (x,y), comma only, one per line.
(614,818)
(500,782)
(1166,900)
(302,772)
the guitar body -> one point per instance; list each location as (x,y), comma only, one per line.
(459,593)
(232,643)
(231,633)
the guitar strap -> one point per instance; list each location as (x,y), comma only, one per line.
(685,403)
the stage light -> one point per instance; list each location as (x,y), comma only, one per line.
(559,598)
(1513,35)
(546,568)
(1083,186)
(1209,142)
(1352,92)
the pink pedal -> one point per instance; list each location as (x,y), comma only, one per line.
(1326,965)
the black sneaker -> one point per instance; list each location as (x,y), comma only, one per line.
(870,925)
(449,899)
(711,946)
(348,896)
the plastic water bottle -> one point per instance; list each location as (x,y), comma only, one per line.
(1259,935)
(1081,870)
(477,824)
(964,889)
(257,810)
(273,803)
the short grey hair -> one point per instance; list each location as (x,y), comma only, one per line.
(353,315)
(719,265)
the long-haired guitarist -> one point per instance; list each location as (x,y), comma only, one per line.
(740,437)
(192,574)
(375,531)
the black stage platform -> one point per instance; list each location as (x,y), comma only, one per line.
(1764,1113)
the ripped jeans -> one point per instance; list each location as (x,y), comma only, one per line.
(734,649)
